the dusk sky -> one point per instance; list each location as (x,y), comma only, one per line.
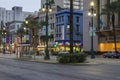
(28,5)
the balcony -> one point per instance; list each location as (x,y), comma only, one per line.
(109,39)
(108,31)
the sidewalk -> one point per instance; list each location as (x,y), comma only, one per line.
(53,59)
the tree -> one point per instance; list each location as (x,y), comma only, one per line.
(0,36)
(112,9)
(21,33)
(33,25)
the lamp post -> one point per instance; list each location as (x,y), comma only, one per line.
(92,13)
(47,8)
(4,40)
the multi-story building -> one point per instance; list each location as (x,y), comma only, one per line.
(105,32)
(58,5)
(86,26)
(18,17)
(63,29)
(12,20)
(15,17)
(65,4)
(104,39)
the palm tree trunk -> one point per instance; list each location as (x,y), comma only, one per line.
(71,26)
(114,34)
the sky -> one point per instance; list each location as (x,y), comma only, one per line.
(28,5)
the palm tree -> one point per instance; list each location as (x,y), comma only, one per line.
(34,25)
(111,9)
(0,37)
(21,33)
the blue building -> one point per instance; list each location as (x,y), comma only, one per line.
(62,29)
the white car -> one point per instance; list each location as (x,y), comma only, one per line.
(42,52)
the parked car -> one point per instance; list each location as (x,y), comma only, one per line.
(41,52)
(116,55)
(111,55)
(107,55)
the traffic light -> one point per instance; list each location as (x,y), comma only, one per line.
(54,45)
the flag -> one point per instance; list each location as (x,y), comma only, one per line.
(100,24)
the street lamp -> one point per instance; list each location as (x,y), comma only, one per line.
(92,13)
(4,40)
(47,8)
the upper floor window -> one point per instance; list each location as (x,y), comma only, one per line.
(77,28)
(77,19)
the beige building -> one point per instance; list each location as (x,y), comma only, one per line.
(104,39)
(86,27)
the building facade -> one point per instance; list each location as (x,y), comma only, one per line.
(104,39)
(57,6)
(12,20)
(65,4)
(86,26)
(62,31)
(106,36)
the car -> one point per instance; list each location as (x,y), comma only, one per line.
(108,55)
(116,55)
(111,55)
(41,52)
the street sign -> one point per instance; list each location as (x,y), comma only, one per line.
(92,31)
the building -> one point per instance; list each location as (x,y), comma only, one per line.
(12,20)
(57,6)
(86,29)
(65,4)
(62,40)
(105,32)
(104,39)
(18,17)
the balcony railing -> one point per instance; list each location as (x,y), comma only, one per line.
(117,27)
(110,39)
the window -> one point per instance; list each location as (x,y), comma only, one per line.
(77,19)
(59,29)
(62,18)
(68,19)
(77,28)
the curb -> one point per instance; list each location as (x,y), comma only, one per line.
(48,62)
(72,64)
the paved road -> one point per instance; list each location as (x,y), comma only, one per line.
(23,70)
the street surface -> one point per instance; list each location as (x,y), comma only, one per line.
(23,70)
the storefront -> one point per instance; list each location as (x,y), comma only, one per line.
(64,45)
(103,47)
